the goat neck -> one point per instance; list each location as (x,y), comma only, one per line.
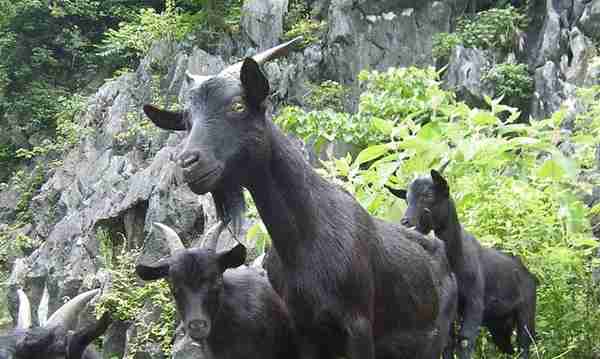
(451,233)
(285,189)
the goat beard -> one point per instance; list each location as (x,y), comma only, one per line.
(230,206)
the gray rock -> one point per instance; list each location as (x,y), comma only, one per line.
(464,74)
(262,21)
(584,53)
(590,19)
(549,92)
(395,37)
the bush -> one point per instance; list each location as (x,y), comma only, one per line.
(498,29)
(298,22)
(129,299)
(510,80)
(134,38)
(514,191)
(329,94)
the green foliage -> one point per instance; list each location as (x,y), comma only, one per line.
(129,300)
(329,94)
(27,184)
(298,22)
(491,29)
(47,53)
(513,188)
(444,43)
(388,99)
(69,131)
(135,37)
(510,80)
(310,30)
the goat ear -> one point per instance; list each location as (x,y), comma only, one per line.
(400,193)
(234,257)
(441,186)
(166,120)
(154,271)
(256,85)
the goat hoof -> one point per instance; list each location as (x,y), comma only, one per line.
(464,343)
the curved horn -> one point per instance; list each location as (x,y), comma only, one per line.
(173,240)
(43,307)
(443,167)
(68,313)
(263,57)
(24,315)
(211,238)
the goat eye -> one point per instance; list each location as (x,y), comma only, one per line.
(238,107)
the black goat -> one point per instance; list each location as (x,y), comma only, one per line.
(229,314)
(56,339)
(356,286)
(495,290)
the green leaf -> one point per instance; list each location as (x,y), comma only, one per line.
(370,153)
(552,170)
(384,126)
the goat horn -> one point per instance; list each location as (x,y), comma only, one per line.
(43,307)
(173,240)
(68,313)
(24,315)
(212,235)
(443,167)
(263,57)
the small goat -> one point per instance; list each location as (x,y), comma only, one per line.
(495,290)
(231,313)
(56,339)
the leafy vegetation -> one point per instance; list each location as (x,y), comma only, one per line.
(497,29)
(53,50)
(515,190)
(299,22)
(510,80)
(130,300)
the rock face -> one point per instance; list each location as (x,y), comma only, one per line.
(121,177)
(464,75)
(262,21)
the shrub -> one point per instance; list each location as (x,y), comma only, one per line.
(514,190)
(298,22)
(444,43)
(510,80)
(491,29)
(129,299)
(134,38)
(329,94)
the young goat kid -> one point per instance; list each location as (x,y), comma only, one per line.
(495,289)
(57,339)
(230,314)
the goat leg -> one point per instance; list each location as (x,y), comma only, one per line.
(472,318)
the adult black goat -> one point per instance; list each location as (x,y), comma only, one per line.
(56,339)
(356,286)
(495,290)
(229,314)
